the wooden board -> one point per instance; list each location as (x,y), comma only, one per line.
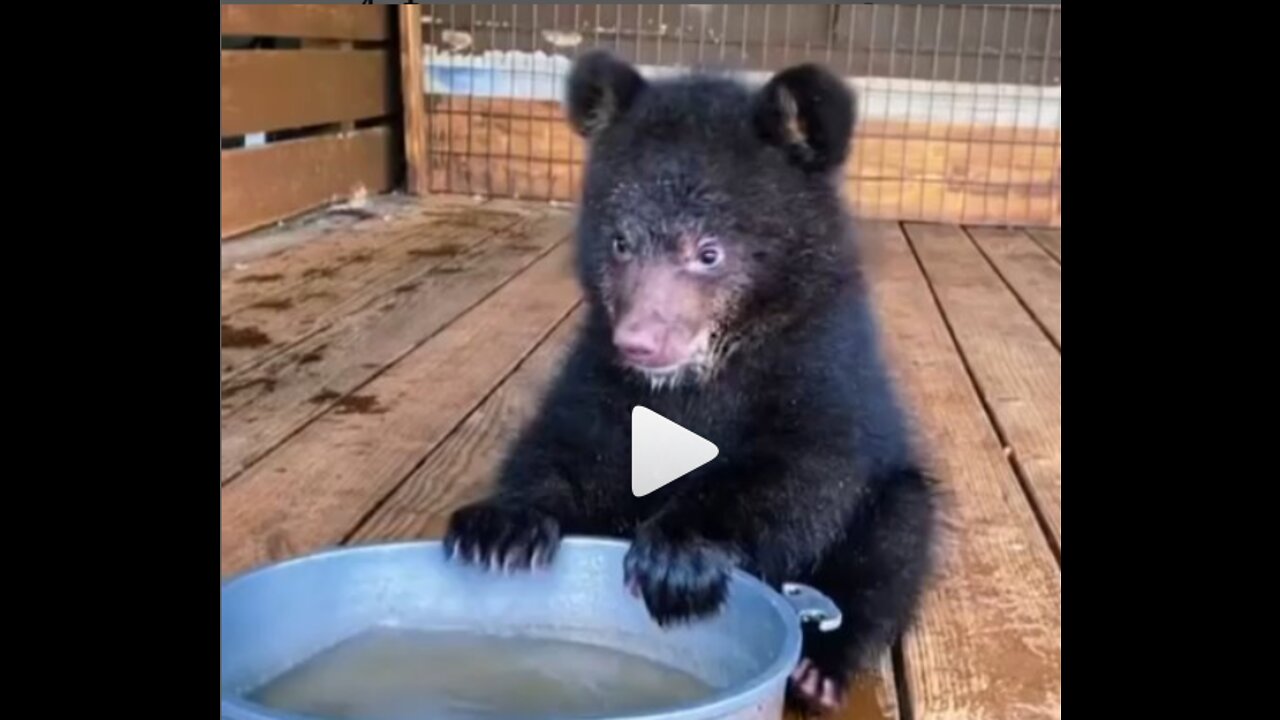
(315,489)
(319,243)
(462,468)
(318,225)
(265,407)
(276,89)
(343,281)
(988,643)
(349,22)
(264,184)
(412,100)
(1050,239)
(954,173)
(918,171)
(1030,271)
(1018,371)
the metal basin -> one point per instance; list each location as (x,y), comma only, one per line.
(276,617)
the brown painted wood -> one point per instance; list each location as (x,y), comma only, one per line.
(264,184)
(341,22)
(277,89)
(413,100)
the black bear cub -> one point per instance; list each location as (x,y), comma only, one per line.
(721,273)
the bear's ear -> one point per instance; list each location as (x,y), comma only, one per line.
(809,112)
(601,89)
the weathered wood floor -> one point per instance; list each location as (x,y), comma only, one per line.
(374,368)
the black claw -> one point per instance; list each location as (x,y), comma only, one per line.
(501,537)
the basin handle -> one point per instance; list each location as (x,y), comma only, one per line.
(813,606)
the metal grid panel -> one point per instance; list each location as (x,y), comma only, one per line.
(960,105)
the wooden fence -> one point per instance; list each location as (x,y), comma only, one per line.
(325,103)
(310,109)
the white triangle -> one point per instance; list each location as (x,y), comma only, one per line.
(662,451)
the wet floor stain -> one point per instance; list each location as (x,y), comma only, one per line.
(325,396)
(314,356)
(349,404)
(260,278)
(320,272)
(446,250)
(243,337)
(359,405)
(273,304)
(230,391)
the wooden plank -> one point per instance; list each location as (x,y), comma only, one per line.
(463,467)
(313,255)
(314,490)
(265,407)
(312,43)
(343,22)
(1030,271)
(948,173)
(272,182)
(948,202)
(1017,369)
(1050,239)
(277,89)
(348,281)
(987,644)
(412,99)
(917,171)
(369,214)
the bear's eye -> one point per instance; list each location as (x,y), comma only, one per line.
(621,247)
(710,254)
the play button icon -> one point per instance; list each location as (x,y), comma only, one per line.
(662,451)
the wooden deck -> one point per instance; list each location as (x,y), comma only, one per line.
(374,368)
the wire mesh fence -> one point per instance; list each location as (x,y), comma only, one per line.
(959,105)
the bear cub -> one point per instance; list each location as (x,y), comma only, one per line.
(721,277)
